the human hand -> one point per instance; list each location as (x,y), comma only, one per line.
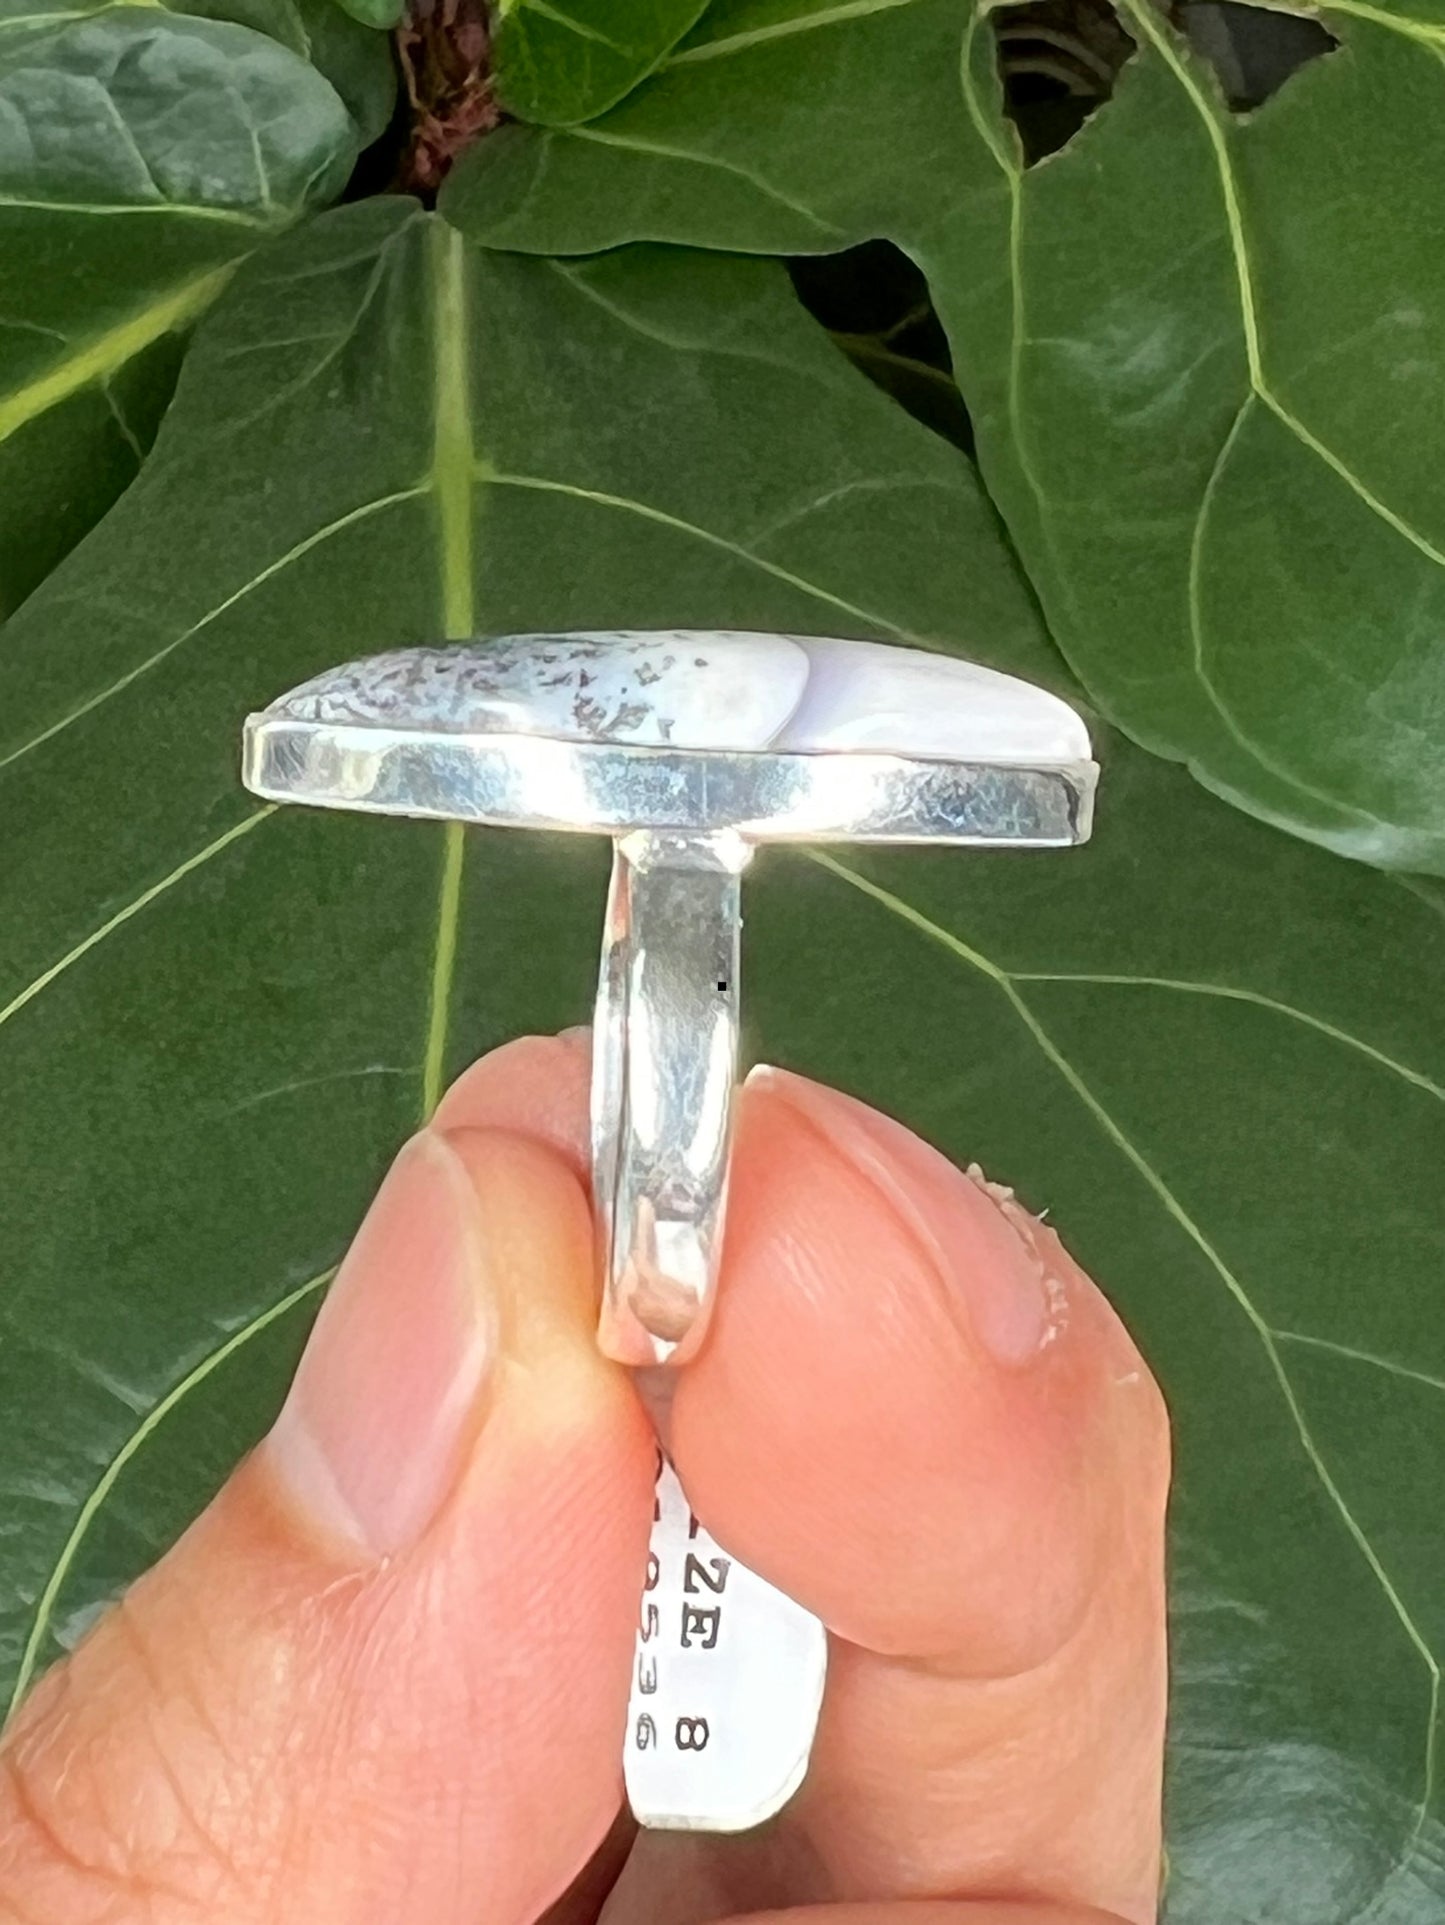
(383,1679)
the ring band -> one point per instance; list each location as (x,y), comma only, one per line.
(664,1071)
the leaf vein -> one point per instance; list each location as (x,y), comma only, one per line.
(233,216)
(132,908)
(663,151)
(95,360)
(582,28)
(782,30)
(660,516)
(1426,32)
(1140,1163)
(1158,35)
(1362,1357)
(1194,595)
(302,547)
(1231,993)
(86,1515)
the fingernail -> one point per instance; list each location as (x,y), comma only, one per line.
(984,1242)
(383,1407)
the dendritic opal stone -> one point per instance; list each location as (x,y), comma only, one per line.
(703,689)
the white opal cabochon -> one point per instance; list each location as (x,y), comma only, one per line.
(696,689)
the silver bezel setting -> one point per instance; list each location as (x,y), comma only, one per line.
(542,782)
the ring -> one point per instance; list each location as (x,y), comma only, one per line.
(689,748)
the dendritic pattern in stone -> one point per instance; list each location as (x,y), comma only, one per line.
(696,689)
(655,689)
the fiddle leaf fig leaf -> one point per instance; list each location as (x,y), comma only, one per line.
(142,154)
(379,435)
(1199,349)
(1236,383)
(734,141)
(373,13)
(350,53)
(1212,1051)
(355,59)
(559,61)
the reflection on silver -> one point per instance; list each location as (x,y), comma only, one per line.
(664,1060)
(688,749)
(537,782)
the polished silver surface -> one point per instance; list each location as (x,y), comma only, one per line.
(689,749)
(537,782)
(664,1067)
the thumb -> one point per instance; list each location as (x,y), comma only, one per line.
(385,1675)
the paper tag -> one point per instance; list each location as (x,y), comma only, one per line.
(726,1685)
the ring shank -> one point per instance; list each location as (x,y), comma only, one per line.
(665,1048)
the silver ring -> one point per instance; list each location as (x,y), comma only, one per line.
(689,748)
(664,1068)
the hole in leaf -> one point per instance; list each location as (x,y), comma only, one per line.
(1058,61)
(1253,50)
(875,304)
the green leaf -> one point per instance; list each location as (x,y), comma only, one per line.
(352,55)
(373,13)
(1201,351)
(559,61)
(776,126)
(141,155)
(356,60)
(1180,1044)
(375,437)
(1232,374)
(1213,1052)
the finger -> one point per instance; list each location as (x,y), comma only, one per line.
(889,1328)
(917,1416)
(385,1675)
(935,1912)
(584,1898)
(534,1086)
(880,1328)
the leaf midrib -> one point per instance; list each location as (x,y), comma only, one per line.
(1159,36)
(97,359)
(453,467)
(1259,386)
(1007,981)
